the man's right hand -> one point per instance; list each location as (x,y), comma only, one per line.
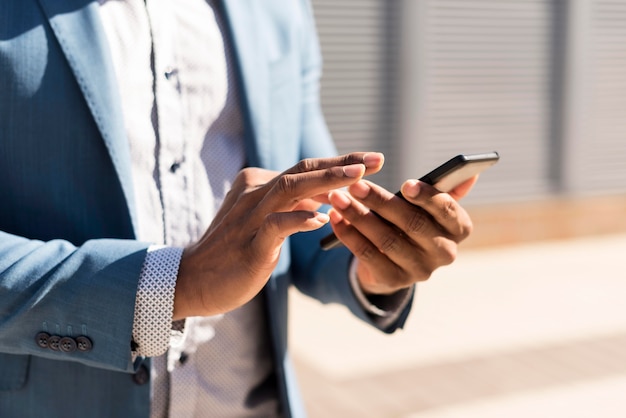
(234,259)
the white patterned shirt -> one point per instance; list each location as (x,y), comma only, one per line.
(183,121)
(185,131)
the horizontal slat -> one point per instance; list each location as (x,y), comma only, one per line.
(511,6)
(334,4)
(489,90)
(454,53)
(349,31)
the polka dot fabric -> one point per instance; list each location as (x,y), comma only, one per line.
(154,304)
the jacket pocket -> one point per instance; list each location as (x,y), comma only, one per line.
(13,371)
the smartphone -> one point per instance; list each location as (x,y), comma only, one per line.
(444,178)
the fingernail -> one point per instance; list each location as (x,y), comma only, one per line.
(373,159)
(335,217)
(360,190)
(322,217)
(353,170)
(411,188)
(339,200)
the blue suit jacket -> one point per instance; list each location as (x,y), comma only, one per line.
(69,263)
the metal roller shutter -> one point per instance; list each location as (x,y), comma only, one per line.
(485,75)
(484,82)
(359,47)
(603,160)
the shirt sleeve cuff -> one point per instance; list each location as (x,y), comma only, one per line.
(154,304)
(386,308)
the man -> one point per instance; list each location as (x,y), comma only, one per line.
(125,124)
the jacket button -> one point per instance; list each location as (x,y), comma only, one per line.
(67,344)
(141,376)
(83,343)
(53,342)
(42,339)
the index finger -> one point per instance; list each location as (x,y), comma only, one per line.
(373,162)
(313,177)
(287,190)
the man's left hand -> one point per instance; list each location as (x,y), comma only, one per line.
(408,240)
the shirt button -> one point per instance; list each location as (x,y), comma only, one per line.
(141,376)
(67,344)
(42,339)
(174,167)
(53,342)
(83,343)
(169,72)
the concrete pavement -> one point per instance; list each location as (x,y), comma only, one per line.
(531,330)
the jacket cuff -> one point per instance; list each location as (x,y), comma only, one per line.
(387,308)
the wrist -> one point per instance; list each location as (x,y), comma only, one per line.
(384,309)
(370,286)
(186,296)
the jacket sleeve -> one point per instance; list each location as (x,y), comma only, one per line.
(62,290)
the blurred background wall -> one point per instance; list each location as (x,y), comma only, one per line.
(535,329)
(543,82)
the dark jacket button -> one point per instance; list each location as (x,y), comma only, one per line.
(42,339)
(83,343)
(53,342)
(141,376)
(67,344)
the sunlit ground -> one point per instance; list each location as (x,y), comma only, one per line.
(533,330)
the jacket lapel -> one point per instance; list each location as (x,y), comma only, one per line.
(249,50)
(77,27)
